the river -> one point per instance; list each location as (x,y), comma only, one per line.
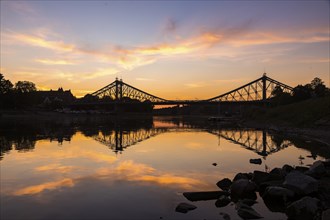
(105,167)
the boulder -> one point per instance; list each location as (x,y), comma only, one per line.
(222,201)
(241,176)
(317,170)
(301,169)
(276,198)
(264,185)
(256,161)
(208,195)
(278,193)
(184,207)
(300,183)
(243,188)
(260,177)
(303,209)
(248,202)
(326,215)
(224,184)
(278,172)
(246,212)
(287,168)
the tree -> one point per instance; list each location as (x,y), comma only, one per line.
(318,87)
(5,85)
(301,92)
(277,92)
(25,86)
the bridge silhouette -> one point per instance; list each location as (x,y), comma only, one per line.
(259,90)
(258,141)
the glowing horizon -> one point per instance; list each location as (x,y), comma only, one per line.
(174,50)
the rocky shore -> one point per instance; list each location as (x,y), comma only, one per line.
(300,192)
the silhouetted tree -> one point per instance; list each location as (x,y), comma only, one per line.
(25,86)
(280,97)
(301,92)
(5,85)
(318,87)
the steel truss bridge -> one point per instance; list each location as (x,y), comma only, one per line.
(258,141)
(259,90)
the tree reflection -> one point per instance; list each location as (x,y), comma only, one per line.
(119,133)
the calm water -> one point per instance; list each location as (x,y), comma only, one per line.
(130,168)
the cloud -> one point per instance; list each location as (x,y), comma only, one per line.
(22,7)
(208,43)
(144,79)
(131,171)
(41,42)
(56,62)
(195,85)
(31,190)
(55,168)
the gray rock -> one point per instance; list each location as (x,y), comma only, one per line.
(256,161)
(208,195)
(301,169)
(278,193)
(248,202)
(184,207)
(317,170)
(300,183)
(246,212)
(262,187)
(260,177)
(242,188)
(326,214)
(287,168)
(241,176)
(303,209)
(224,184)
(278,172)
(222,201)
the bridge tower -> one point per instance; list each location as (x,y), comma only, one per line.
(264,87)
(118,89)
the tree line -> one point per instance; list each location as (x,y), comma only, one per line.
(314,89)
(24,94)
(21,86)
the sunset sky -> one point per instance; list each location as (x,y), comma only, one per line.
(171,49)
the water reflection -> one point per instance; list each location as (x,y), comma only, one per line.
(121,133)
(108,164)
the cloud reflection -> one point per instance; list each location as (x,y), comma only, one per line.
(32,190)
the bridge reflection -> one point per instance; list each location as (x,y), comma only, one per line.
(259,141)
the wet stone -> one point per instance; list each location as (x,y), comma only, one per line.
(224,184)
(287,168)
(185,207)
(222,201)
(300,183)
(207,195)
(241,176)
(303,209)
(256,161)
(317,170)
(246,212)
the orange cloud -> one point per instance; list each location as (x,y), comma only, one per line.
(55,62)
(41,42)
(131,171)
(55,168)
(31,190)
